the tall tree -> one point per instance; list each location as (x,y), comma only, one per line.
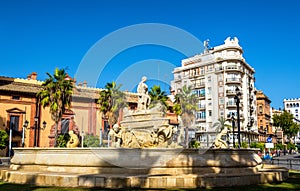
(56,93)
(286,122)
(186,106)
(111,101)
(158,96)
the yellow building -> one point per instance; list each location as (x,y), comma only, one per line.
(19,105)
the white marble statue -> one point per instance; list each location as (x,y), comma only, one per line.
(144,98)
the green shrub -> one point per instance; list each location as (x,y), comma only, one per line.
(62,140)
(261,146)
(279,146)
(291,146)
(194,144)
(91,141)
(244,145)
(3,139)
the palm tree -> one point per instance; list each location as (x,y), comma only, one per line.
(56,93)
(221,124)
(186,106)
(111,101)
(158,96)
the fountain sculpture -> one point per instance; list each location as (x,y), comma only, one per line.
(143,128)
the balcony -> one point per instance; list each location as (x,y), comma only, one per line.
(199,85)
(230,92)
(219,69)
(234,68)
(201,119)
(201,107)
(231,104)
(233,80)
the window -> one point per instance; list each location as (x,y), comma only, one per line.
(232,113)
(220,77)
(200,115)
(200,92)
(222,113)
(260,109)
(14,122)
(201,82)
(202,71)
(208,90)
(221,100)
(15,97)
(209,79)
(296,110)
(201,104)
(210,113)
(221,89)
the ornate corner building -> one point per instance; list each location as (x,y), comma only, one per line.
(215,76)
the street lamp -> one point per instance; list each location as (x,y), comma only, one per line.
(237,101)
(23,132)
(233,126)
(44,125)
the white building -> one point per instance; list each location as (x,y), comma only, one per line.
(214,75)
(293,106)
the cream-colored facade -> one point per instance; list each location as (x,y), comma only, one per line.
(214,76)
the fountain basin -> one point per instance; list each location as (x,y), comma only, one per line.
(143,168)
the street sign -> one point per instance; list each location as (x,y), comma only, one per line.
(269,139)
(269,145)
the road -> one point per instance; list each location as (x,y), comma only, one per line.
(290,161)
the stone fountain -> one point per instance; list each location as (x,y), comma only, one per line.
(141,159)
(143,128)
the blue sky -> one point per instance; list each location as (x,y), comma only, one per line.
(40,35)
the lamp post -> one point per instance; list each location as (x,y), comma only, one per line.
(23,132)
(237,101)
(233,126)
(35,130)
(10,139)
